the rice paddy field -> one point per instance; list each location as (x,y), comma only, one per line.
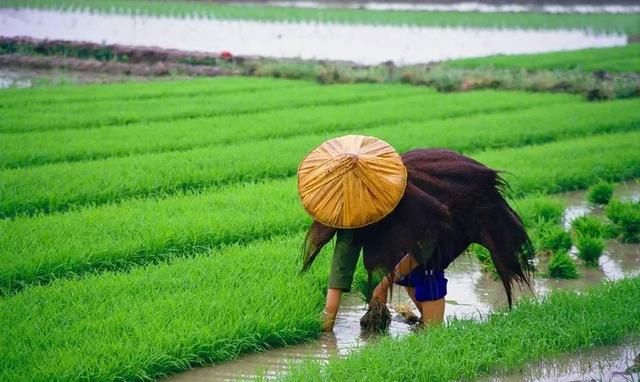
(151,227)
(147,228)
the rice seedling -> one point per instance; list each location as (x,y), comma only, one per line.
(603,22)
(562,266)
(484,258)
(600,193)
(552,238)
(625,216)
(589,249)
(409,113)
(92,114)
(561,322)
(118,236)
(540,211)
(588,226)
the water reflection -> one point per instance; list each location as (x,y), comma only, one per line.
(366,44)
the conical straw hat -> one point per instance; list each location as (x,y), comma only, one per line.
(351,181)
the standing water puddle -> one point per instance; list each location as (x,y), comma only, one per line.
(471,294)
(365,44)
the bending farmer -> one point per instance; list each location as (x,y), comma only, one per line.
(410,215)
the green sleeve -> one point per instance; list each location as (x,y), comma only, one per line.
(344,262)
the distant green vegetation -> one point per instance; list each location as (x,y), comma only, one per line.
(601,22)
(617,59)
(463,350)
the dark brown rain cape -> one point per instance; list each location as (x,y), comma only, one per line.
(451,200)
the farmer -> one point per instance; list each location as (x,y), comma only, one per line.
(410,215)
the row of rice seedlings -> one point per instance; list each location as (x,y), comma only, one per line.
(39,249)
(162,319)
(115,112)
(146,137)
(559,323)
(17,98)
(620,59)
(58,186)
(602,22)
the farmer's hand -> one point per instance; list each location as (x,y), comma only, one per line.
(380,292)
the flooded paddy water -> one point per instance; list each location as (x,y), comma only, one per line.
(363,44)
(471,294)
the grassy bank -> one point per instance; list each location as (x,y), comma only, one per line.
(618,59)
(620,23)
(39,249)
(561,322)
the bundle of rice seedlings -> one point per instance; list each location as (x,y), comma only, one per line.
(600,193)
(589,249)
(377,318)
(626,218)
(561,266)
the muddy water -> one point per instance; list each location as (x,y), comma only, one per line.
(472,294)
(466,6)
(365,44)
(607,363)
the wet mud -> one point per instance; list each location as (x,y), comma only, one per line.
(471,294)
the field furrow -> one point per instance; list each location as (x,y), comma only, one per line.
(60,186)
(24,149)
(91,114)
(38,249)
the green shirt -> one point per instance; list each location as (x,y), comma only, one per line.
(345,259)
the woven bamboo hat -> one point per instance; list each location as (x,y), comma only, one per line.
(351,181)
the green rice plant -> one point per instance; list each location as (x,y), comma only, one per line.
(589,249)
(616,59)
(120,235)
(562,266)
(588,226)
(560,323)
(552,238)
(484,258)
(602,22)
(600,193)
(92,114)
(411,114)
(540,211)
(625,216)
